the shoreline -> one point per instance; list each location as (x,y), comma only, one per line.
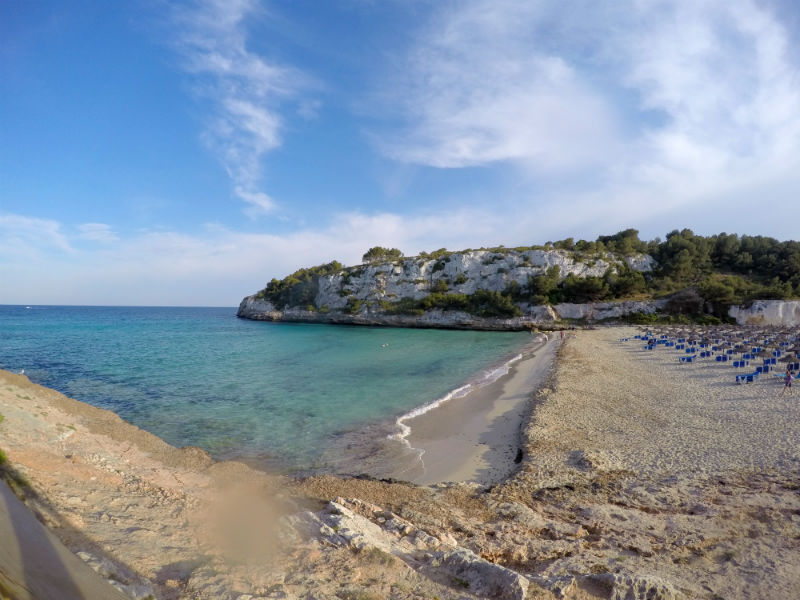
(475,437)
(470,435)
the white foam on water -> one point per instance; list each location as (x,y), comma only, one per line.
(484,379)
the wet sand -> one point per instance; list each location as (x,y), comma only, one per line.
(477,438)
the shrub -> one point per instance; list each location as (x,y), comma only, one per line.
(435,254)
(685,302)
(300,288)
(380,254)
(440,286)
(404,306)
(584,289)
(353,305)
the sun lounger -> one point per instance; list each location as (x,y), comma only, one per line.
(747,378)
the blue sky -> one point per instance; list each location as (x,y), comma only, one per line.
(184,153)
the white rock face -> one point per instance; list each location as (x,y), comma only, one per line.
(768,312)
(459,272)
(606,310)
(462,272)
(261,310)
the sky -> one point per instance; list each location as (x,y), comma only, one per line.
(184,153)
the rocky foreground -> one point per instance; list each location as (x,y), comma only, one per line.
(641,478)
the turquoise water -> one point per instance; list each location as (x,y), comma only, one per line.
(280,395)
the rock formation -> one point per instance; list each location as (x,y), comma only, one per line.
(768,312)
(369,294)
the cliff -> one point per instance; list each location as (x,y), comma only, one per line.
(784,313)
(480,289)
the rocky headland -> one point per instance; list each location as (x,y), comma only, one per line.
(388,292)
(500,290)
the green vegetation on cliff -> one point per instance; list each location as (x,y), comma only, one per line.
(482,303)
(380,254)
(300,288)
(699,274)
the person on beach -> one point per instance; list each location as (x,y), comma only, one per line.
(787,382)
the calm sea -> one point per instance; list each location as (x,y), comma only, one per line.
(276,394)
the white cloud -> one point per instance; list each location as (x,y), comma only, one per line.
(260,203)
(25,238)
(479,89)
(97,232)
(216,266)
(656,107)
(246,91)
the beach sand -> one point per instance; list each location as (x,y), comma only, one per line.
(641,478)
(477,438)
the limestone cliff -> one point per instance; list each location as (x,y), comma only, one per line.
(768,312)
(389,292)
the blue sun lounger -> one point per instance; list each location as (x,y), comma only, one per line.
(747,378)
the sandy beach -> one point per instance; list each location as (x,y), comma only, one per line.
(477,438)
(641,477)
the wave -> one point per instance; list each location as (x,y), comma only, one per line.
(485,378)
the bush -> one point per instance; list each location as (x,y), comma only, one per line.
(440,286)
(685,302)
(380,254)
(482,303)
(353,305)
(435,254)
(300,288)
(404,306)
(584,289)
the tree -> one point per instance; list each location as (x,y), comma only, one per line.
(380,254)
(542,287)
(685,302)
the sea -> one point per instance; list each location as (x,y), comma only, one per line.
(296,398)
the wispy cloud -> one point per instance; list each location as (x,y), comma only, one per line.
(245,90)
(26,238)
